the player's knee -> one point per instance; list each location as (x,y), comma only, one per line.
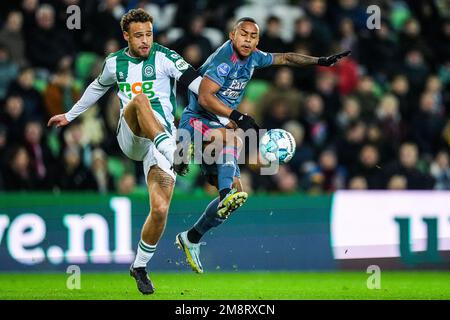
(141,101)
(159,212)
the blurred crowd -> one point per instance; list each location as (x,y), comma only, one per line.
(377,120)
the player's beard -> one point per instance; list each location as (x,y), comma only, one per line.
(136,53)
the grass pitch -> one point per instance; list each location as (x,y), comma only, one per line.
(233,285)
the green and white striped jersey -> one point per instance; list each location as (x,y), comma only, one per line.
(154,76)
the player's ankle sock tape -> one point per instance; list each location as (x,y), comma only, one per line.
(223,193)
(194,236)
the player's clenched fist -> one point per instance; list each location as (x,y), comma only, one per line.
(58,120)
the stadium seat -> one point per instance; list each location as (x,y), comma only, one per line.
(173,34)
(287,14)
(257,12)
(165,14)
(214,36)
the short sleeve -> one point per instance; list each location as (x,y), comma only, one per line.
(263,59)
(107,77)
(218,70)
(176,66)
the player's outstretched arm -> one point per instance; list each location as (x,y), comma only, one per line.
(207,99)
(301,60)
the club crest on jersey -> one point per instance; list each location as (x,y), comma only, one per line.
(223,69)
(148,71)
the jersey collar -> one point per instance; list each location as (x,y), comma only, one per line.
(135,59)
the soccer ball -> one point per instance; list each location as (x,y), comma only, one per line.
(277,145)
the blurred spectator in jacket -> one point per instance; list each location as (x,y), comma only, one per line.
(42,161)
(442,44)
(303,160)
(61,93)
(270,40)
(48,44)
(440,170)
(350,144)
(12,37)
(19,175)
(32,99)
(426,126)
(304,34)
(282,89)
(326,87)
(99,168)
(350,113)
(416,70)
(127,184)
(379,51)
(411,38)
(365,94)
(348,38)
(8,70)
(390,122)
(399,87)
(73,175)
(315,123)
(406,166)
(194,35)
(317,13)
(13,117)
(369,159)
(328,176)
(277,115)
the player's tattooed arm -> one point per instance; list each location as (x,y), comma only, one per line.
(294,59)
(301,60)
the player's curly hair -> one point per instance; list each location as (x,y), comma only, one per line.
(134,15)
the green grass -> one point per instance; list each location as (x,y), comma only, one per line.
(233,285)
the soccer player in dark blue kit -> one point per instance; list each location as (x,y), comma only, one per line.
(214,112)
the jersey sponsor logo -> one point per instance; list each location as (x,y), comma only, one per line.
(175,56)
(135,88)
(149,71)
(235,89)
(181,64)
(223,69)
